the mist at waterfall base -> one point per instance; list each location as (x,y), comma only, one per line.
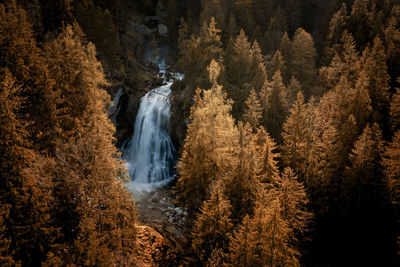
(150,155)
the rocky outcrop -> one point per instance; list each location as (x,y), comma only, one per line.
(152,248)
(140,28)
(129,103)
(181,101)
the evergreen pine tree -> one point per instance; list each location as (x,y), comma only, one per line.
(20,54)
(345,63)
(24,191)
(196,53)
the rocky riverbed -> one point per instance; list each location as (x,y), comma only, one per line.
(161,228)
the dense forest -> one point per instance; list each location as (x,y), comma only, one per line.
(286,121)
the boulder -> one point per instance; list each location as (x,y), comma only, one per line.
(163,30)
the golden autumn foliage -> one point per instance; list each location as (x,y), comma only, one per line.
(63,200)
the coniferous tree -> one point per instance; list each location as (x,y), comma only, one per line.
(277,63)
(242,245)
(287,54)
(365,170)
(266,156)
(23,190)
(103,33)
(20,54)
(196,53)
(5,242)
(293,199)
(94,211)
(277,26)
(395,109)
(253,112)
(259,79)
(213,224)
(391,164)
(295,137)
(243,11)
(322,156)
(293,88)
(275,106)
(345,62)
(264,239)
(337,24)
(212,9)
(375,67)
(304,59)
(237,74)
(242,184)
(245,69)
(208,143)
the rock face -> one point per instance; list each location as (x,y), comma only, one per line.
(140,28)
(181,101)
(152,247)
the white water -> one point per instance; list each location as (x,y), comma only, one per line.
(150,154)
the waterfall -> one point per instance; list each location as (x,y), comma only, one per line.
(150,154)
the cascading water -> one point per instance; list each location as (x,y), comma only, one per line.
(150,154)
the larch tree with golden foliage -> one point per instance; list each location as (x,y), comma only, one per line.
(275,106)
(395,109)
(374,64)
(294,150)
(264,239)
(265,156)
(209,143)
(241,184)
(365,169)
(95,212)
(253,111)
(391,164)
(244,70)
(294,201)
(213,224)
(304,59)
(196,53)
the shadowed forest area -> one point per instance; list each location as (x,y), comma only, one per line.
(285,117)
